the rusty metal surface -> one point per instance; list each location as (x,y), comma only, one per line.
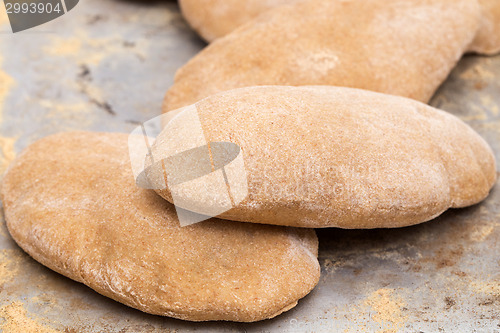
(105,67)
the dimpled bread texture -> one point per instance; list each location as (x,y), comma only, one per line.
(71,202)
(341,157)
(212,19)
(399,47)
(488,38)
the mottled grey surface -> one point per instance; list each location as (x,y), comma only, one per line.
(106,65)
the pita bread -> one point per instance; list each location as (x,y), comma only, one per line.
(71,202)
(399,47)
(335,157)
(213,19)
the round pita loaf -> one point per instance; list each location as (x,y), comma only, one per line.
(213,19)
(71,202)
(333,157)
(398,47)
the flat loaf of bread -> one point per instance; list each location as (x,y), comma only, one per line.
(71,202)
(213,19)
(336,157)
(398,47)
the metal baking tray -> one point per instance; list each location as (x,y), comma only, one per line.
(106,65)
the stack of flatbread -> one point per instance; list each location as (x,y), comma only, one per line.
(299,115)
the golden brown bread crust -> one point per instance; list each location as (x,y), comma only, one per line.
(216,18)
(399,47)
(487,40)
(70,201)
(340,157)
